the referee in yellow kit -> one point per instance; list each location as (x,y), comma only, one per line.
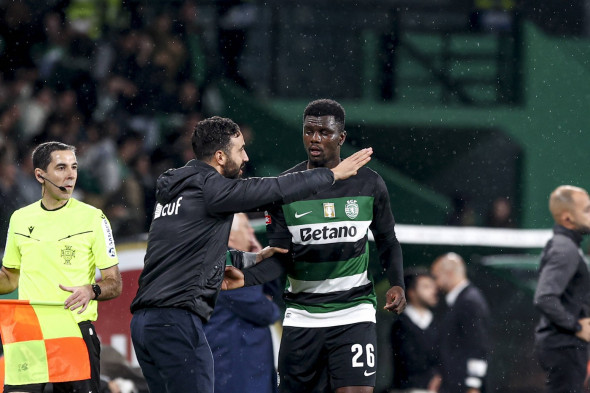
(52,251)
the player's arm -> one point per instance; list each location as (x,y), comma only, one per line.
(8,279)
(224,195)
(244,260)
(390,251)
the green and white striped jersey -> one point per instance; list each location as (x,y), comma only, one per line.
(328,279)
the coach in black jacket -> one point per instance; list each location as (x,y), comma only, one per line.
(563,294)
(187,245)
(464,329)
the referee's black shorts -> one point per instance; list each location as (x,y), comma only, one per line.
(315,360)
(88,385)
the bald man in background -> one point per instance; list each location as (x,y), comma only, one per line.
(463,335)
(563,294)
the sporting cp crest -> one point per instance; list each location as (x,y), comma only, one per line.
(67,254)
(351,209)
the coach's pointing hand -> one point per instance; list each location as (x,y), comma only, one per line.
(395,300)
(349,166)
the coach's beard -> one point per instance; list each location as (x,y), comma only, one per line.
(233,171)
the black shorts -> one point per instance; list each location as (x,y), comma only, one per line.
(88,385)
(324,359)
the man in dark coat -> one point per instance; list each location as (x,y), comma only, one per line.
(463,338)
(563,294)
(414,336)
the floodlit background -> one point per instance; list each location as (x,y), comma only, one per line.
(476,111)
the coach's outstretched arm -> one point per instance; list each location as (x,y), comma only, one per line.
(223,195)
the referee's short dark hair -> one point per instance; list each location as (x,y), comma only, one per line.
(213,134)
(42,153)
(412,275)
(326,107)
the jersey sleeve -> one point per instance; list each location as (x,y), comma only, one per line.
(12,257)
(383,228)
(104,243)
(277,231)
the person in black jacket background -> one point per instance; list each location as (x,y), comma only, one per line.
(187,248)
(563,294)
(464,330)
(414,336)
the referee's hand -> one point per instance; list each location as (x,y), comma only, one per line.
(395,300)
(350,165)
(80,297)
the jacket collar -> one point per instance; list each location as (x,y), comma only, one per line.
(561,230)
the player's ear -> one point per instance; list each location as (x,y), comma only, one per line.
(342,137)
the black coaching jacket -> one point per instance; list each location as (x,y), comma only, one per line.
(187,241)
(563,291)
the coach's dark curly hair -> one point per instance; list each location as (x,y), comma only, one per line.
(213,134)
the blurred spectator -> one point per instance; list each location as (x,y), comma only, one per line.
(238,331)
(125,205)
(34,112)
(500,214)
(11,194)
(462,214)
(19,31)
(78,73)
(121,376)
(235,18)
(463,333)
(413,337)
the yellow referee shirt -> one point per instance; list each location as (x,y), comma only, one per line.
(63,246)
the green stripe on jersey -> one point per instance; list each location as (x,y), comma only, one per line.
(316,271)
(330,307)
(358,208)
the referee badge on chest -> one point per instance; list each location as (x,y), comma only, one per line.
(329,210)
(67,254)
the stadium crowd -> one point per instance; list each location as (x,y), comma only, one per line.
(124,83)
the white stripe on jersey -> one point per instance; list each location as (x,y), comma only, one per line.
(329,232)
(364,312)
(328,285)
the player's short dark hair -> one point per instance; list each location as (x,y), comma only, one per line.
(213,134)
(412,275)
(42,153)
(326,107)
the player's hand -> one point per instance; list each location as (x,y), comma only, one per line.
(268,252)
(395,300)
(434,384)
(349,166)
(233,278)
(80,297)
(584,334)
